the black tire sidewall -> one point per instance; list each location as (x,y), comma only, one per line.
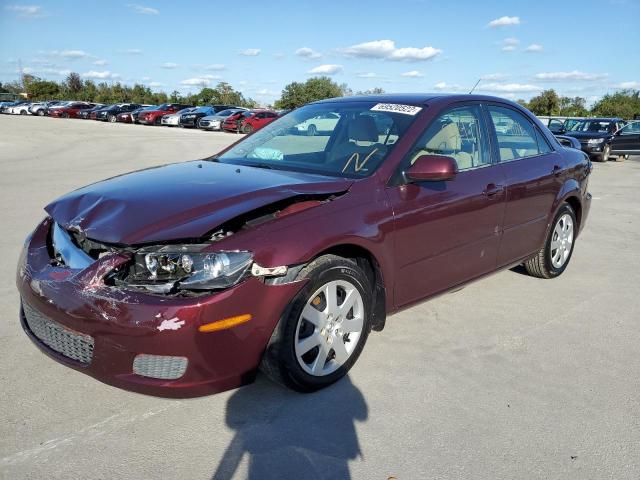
(293,372)
(553,271)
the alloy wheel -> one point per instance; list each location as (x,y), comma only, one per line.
(561,241)
(329,328)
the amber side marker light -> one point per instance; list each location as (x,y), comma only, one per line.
(225,323)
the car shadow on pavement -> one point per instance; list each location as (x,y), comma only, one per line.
(288,435)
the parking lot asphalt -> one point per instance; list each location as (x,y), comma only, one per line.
(511,377)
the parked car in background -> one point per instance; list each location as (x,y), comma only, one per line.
(8,106)
(110,113)
(625,141)
(594,134)
(173,120)
(86,114)
(40,108)
(71,109)
(558,124)
(154,117)
(292,251)
(214,122)
(325,122)
(20,109)
(131,116)
(249,121)
(191,119)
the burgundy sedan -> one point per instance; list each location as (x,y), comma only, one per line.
(284,251)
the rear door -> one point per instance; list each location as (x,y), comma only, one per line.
(627,139)
(448,232)
(533,172)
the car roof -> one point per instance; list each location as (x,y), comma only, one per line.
(416,98)
(602,119)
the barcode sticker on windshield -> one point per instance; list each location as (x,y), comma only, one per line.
(396,108)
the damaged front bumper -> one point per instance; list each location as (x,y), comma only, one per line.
(139,341)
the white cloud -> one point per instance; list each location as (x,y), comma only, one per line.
(45,70)
(573,75)
(534,47)
(503,22)
(510,41)
(263,92)
(413,74)
(215,67)
(169,65)
(104,75)
(494,76)
(386,49)
(251,52)
(131,51)
(509,48)
(100,63)
(156,84)
(142,10)
(74,54)
(509,87)
(306,52)
(366,75)
(326,69)
(27,11)
(624,85)
(201,81)
(444,86)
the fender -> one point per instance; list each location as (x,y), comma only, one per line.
(570,189)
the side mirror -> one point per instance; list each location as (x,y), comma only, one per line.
(432,168)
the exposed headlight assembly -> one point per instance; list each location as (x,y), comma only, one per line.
(595,141)
(187,267)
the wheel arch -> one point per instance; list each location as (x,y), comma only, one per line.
(366,260)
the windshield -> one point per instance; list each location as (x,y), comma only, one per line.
(203,110)
(596,126)
(226,113)
(163,107)
(339,139)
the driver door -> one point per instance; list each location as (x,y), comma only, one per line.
(448,232)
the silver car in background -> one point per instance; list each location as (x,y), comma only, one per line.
(173,119)
(214,122)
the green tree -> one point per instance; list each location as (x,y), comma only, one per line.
(297,94)
(42,89)
(547,103)
(624,104)
(573,107)
(73,84)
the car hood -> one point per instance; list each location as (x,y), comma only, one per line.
(179,201)
(587,135)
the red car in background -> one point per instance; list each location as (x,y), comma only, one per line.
(71,110)
(153,117)
(250,121)
(285,251)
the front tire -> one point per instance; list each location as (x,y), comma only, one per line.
(323,331)
(554,256)
(112,118)
(606,153)
(247,129)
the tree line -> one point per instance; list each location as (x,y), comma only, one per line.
(622,103)
(75,88)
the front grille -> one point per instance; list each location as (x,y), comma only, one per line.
(160,366)
(73,345)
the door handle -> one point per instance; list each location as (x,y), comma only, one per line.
(492,189)
(556,170)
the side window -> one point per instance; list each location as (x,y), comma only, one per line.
(456,133)
(516,135)
(632,128)
(543,145)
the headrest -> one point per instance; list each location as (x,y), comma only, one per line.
(363,129)
(447,139)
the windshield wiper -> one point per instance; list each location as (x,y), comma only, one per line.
(260,165)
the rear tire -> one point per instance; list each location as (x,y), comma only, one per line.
(41,113)
(64,115)
(311,347)
(247,129)
(23,112)
(554,256)
(112,118)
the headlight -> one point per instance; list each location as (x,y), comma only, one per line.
(595,141)
(187,267)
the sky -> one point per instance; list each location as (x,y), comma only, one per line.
(515,48)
